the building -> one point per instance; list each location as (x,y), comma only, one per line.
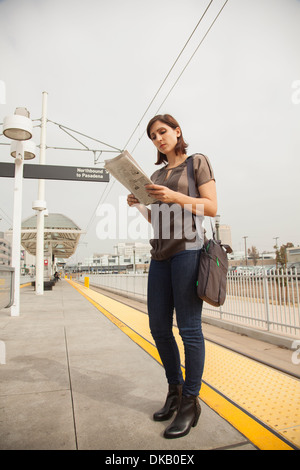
(61,237)
(5,250)
(127,257)
(293,254)
(129,249)
(237,258)
(225,234)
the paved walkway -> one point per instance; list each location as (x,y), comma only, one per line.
(73,380)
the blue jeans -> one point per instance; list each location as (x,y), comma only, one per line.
(172,284)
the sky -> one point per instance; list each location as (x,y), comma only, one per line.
(236,97)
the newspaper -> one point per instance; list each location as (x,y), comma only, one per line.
(126,170)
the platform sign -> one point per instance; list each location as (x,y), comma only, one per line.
(56,172)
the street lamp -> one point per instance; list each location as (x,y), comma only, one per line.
(29,149)
(18,128)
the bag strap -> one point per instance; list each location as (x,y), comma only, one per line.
(190,175)
(193,193)
(192,187)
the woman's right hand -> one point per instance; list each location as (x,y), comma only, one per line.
(131,200)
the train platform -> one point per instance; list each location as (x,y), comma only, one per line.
(81,372)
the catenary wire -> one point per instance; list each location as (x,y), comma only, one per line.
(183,70)
(168,74)
(62,127)
(188,62)
(6,217)
(148,107)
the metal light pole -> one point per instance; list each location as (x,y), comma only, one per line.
(246,257)
(17,222)
(18,128)
(40,206)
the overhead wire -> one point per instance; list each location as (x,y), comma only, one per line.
(114,149)
(151,102)
(77,140)
(183,70)
(179,76)
(169,72)
(63,128)
(188,62)
(6,217)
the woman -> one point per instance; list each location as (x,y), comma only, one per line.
(174,268)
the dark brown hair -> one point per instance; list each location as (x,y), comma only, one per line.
(171,122)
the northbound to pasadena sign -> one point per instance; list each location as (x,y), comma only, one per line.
(56,172)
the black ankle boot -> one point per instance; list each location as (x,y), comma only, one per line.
(171,404)
(187,417)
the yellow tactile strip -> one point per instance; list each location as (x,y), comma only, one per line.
(269,395)
(261,402)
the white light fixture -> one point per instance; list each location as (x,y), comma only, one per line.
(29,149)
(19,126)
(39,205)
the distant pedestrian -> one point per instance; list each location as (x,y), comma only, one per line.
(174,268)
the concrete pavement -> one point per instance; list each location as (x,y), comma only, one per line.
(73,380)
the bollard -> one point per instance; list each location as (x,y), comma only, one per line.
(86,282)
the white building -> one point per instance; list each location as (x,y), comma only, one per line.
(126,257)
(5,250)
(293,254)
(225,234)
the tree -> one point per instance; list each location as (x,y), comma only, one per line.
(281,258)
(253,254)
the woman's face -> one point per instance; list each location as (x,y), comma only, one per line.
(164,137)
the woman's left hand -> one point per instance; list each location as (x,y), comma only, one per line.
(161,193)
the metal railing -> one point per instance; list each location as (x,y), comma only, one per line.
(268,300)
(265,300)
(25,278)
(7,274)
(129,285)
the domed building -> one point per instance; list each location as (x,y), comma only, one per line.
(61,237)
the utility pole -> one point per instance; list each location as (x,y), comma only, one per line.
(40,207)
(246,258)
(276,248)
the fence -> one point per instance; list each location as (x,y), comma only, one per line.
(130,285)
(268,300)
